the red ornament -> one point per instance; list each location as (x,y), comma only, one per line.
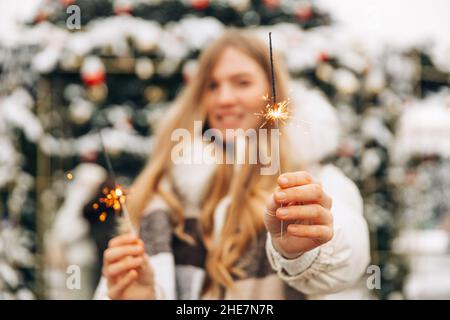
(92,79)
(271,4)
(323,56)
(200,4)
(304,13)
(93,71)
(41,16)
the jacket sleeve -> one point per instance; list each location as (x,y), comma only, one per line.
(339,263)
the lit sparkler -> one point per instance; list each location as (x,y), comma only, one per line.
(275,112)
(113,198)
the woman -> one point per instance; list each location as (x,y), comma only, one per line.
(207,230)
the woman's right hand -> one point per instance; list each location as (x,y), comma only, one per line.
(126,269)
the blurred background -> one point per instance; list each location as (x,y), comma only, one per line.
(383,65)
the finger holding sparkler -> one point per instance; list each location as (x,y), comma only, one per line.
(306,209)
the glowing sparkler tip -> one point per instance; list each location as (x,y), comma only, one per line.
(275,111)
(69,176)
(112,198)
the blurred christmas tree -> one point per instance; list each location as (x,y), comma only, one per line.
(18,132)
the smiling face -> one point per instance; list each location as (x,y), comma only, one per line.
(234,92)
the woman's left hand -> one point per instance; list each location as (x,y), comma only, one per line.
(304,208)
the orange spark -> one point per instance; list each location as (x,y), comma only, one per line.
(102,216)
(113,198)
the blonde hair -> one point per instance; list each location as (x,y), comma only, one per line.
(248,190)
